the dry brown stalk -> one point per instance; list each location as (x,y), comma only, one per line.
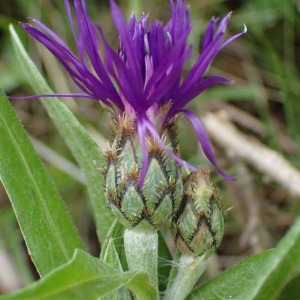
(250,150)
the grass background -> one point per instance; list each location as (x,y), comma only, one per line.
(264,103)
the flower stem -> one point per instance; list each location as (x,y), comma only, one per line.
(142,253)
(189,271)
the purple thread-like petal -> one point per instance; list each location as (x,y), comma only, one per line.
(201,65)
(223,23)
(145,124)
(55,37)
(209,34)
(197,89)
(132,24)
(134,67)
(167,62)
(155,134)
(156,43)
(70,62)
(90,41)
(233,38)
(166,85)
(178,22)
(67,5)
(204,140)
(115,63)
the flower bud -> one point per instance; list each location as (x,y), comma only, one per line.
(199,222)
(142,209)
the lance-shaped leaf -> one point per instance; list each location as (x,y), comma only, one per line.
(110,255)
(278,269)
(83,147)
(231,283)
(84,278)
(45,224)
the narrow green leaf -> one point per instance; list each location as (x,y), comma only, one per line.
(111,257)
(164,263)
(230,284)
(279,268)
(83,278)
(45,224)
(174,269)
(141,287)
(292,290)
(82,146)
(116,233)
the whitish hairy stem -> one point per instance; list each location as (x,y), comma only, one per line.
(250,150)
(189,271)
(142,253)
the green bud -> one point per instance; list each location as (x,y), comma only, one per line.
(142,209)
(199,222)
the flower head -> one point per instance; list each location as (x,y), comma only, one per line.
(198,224)
(147,69)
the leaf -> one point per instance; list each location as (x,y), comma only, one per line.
(83,147)
(164,263)
(174,269)
(116,233)
(278,269)
(111,257)
(83,278)
(45,224)
(230,284)
(292,290)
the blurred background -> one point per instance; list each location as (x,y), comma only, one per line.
(254,125)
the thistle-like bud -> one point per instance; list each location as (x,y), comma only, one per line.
(143,208)
(199,222)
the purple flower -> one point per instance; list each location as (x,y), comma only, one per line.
(147,68)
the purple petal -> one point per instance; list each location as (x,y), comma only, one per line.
(166,85)
(223,23)
(55,37)
(233,38)
(168,26)
(176,52)
(178,22)
(204,140)
(123,77)
(209,33)
(133,66)
(197,89)
(201,65)
(71,20)
(157,43)
(90,41)
(70,63)
(187,15)
(132,24)
(155,134)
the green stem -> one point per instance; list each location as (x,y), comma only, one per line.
(142,253)
(189,271)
